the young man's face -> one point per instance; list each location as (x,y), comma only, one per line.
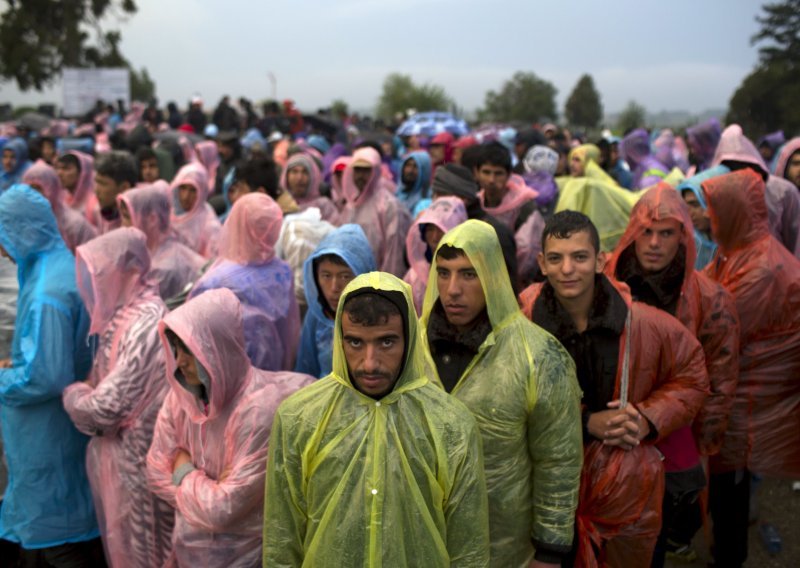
(657,246)
(238,188)
(570,265)
(433,235)
(460,291)
(361,177)
(410,172)
(297,179)
(374,353)
(493,180)
(332,279)
(48,152)
(148,170)
(187,196)
(436,152)
(107,190)
(793,169)
(187,363)
(224,150)
(9,160)
(68,174)
(696,212)
(576,166)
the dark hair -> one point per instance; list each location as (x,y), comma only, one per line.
(495,154)
(449,252)
(470,156)
(330,257)
(259,171)
(370,144)
(564,224)
(175,341)
(145,153)
(117,165)
(70,160)
(370,308)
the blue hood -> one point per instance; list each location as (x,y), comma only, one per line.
(693,183)
(27,224)
(409,196)
(348,242)
(20,149)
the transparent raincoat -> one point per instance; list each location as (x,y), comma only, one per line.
(199,227)
(354,481)
(173,265)
(764,279)
(75,229)
(218,505)
(521,388)
(264,284)
(119,403)
(312,198)
(48,501)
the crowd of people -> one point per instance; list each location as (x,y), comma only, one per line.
(270,339)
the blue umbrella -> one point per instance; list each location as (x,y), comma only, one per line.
(433,123)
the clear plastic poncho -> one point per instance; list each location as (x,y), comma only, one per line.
(354,481)
(522,389)
(199,227)
(218,505)
(119,403)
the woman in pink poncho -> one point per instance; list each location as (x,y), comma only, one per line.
(74,228)
(119,403)
(424,235)
(301,177)
(173,265)
(192,217)
(368,203)
(209,452)
(264,283)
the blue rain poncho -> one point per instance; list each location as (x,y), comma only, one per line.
(21,165)
(354,481)
(349,243)
(704,246)
(411,196)
(48,501)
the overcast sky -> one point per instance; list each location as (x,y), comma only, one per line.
(676,55)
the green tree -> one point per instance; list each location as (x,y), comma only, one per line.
(38,38)
(400,94)
(583,107)
(767,98)
(142,86)
(523,98)
(633,116)
(339,108)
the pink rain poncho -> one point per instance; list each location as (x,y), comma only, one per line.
(384,219)
(782,197)
(787,151)
(763,433)
(173,265)
(218,505)
(119,403)
(337,191)
(208,155)
(200,227)
(83,199)
(74,228)
(264,284)
(312,197)
(444,213)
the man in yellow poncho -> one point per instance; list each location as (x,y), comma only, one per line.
(520,385)
(374,465)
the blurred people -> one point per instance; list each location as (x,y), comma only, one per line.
(302,179)
(115,172)
(645,168)
(787,164)
(15,163)
(415,179)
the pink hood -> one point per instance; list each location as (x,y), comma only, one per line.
(508,210)
(218,345)
(199,228)
(787,151)
(82,198)
(193,174)
(251,230)
(41,174)
(112,272)
(736,147)
(314,175)
(150,210)
(349,189)
(208,156)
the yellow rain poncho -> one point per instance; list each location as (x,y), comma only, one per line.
(522,389)
(354,481)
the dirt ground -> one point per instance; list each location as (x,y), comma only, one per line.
(778,505)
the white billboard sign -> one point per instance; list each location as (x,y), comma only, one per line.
(84,87)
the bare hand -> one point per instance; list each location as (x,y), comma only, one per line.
(6,364)
(182,458)
(623,428)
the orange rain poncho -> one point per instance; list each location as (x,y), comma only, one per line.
(764,278)
(619,510)
(704,307)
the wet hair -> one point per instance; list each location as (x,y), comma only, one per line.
(259,171)
(70,160)
(449,252)
(564,224)
(330,257)
(370,308)
(494,154)
(470,156)
(145,153)
(175,341)
(117,165)
(375,145)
